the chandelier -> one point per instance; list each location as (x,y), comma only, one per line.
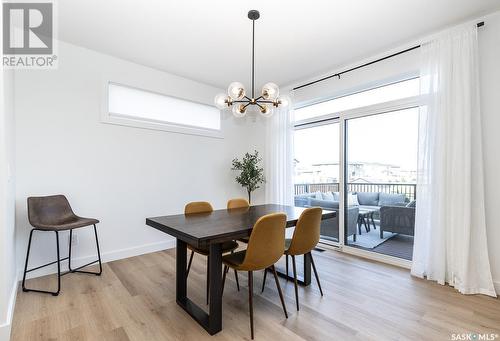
(236,96)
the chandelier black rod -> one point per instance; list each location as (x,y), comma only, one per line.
(253,58)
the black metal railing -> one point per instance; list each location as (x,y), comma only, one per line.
(399,188)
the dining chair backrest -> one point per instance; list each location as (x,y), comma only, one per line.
(237,203)
(307,231)
(267,242)
(198,207)
(49,210)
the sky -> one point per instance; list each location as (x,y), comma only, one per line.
(389,138)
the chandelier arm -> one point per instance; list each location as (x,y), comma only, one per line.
(241,101)
(265,101)
(247,98)
(260,106)
(246,105)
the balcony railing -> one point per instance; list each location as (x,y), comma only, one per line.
(400,188)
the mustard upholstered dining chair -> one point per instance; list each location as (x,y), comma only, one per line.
(304,240)
(265,247)
(199,207)
(235,204)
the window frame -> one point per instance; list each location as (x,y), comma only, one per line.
(108,117)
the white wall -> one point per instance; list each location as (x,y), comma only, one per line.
(120,175)
(407,65)
(8,273)
(387,71)
(489,50)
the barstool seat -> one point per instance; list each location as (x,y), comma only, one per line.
(69,224)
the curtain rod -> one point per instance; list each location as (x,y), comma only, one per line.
(480,24)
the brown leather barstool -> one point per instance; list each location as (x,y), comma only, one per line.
(305,238)
(53,213)
(265,247)
(200,207)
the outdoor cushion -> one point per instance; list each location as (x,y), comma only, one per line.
(328,196)
(368,198)
(318,195)
(391,199)
(368,207)
(352,199)
(412,203)
(326,204)
(336,196)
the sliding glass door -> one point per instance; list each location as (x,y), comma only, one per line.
(317,171)
(380,186)
(357,155)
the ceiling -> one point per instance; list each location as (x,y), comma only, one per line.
(210,41)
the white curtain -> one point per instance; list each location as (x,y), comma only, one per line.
(450,231)
(279,157)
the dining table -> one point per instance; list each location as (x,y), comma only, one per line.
(210,230)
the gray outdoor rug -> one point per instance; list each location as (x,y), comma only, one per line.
(370,239)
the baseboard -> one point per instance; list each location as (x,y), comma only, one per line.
(6,326)
(497,287)
(105,257)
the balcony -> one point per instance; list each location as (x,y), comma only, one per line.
(407,189)
(381,218)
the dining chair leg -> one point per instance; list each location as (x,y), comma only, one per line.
(279,290)
(264,280)
(315,273)
(295,282)
(286,257)
(224,278)
(237,281)
(208,278)
(189,264)
(250,300)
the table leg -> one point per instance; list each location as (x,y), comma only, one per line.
(366,223)
(180,276)
(305,279)
(373,221)
(215,270)
(212,322)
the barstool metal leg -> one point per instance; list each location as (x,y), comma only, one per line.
(26,263)
(58,261)
(83,266)
(58,266)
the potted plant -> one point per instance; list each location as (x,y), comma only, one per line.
(251,173)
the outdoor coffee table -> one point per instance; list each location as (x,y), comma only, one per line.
(365,217)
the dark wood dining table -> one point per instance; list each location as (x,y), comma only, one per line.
(210,230)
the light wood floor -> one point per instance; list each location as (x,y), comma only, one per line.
(135,300)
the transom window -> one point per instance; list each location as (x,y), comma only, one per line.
(386,93)
(146,109)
